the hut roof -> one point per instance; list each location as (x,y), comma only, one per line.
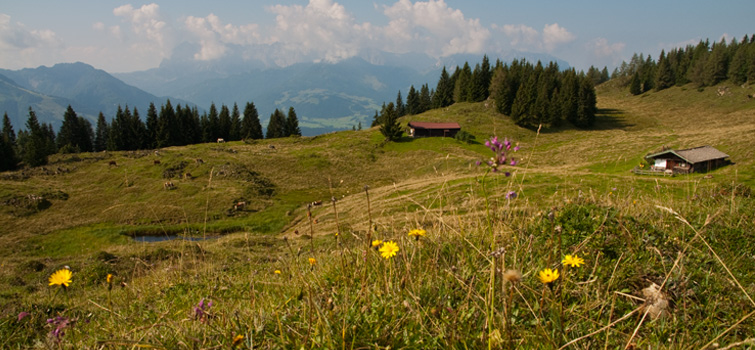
(694,155)
(435,126)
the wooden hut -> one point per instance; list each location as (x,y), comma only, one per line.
(426,129)
(685,161)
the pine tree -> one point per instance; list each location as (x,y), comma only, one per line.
(635,87)
(292,123)
(463,86)
(376,119)
(390,128)
(8,132)
(35,147)
(8,158)
(250,126)
(400,107)
(412,101)
(586,104)
(425,100)
(359,126)
(521,110)
(153,123)
(213,126)
(444,91)
(168,133)
(67,142)
(276,127)
(102,134)
(224,123)
(138,131)
(235,133)
(716,66)
(664,77)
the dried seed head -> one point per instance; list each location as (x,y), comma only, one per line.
(512,275)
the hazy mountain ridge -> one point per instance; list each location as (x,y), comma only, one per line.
(326,96)
(88,90)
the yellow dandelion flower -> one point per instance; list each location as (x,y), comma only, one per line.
(376,243)
(312,261)
(61,278)
(573,261)
(110,278)
(389,249)
(417,233)
(277,272)
(237,340)
(547,275)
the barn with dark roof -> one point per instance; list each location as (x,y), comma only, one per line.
(685,161)
(426,129)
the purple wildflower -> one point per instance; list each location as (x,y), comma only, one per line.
(60,323)
(200,311)
(511,195)
(501,156)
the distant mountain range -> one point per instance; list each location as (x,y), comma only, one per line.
(326,96)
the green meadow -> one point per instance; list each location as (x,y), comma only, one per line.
(668,262)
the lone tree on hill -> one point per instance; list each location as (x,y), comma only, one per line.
(390,128)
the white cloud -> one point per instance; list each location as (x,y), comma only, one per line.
(322,29)
(522,37)
(434,28)
(214,35)
(23,47)
(601,48)
(146,23)
(554,35)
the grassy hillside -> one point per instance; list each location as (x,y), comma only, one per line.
(470,282)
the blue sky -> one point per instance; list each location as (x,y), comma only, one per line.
(123,36)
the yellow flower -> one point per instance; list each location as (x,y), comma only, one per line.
(547,275)
(312,261)
(573,261)
(389,249)
(376,243)
(417,233)
(61,278)
(237,340)
(110,278)
(277,272)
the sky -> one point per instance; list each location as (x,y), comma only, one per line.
(127,36)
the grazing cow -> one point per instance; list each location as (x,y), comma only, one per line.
(239,206)
(199,161)
(157,161)
(157,153)
(221,140)
(187,176)
(316,203)
(272,146)
(113,163)
(169,185)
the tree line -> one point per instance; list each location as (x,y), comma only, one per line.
(531,95)
(703,64)
(165,127)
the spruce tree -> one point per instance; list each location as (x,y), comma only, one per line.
(8,158)
(67,142)
(276,127)
(425,99)
(664,77)
(224,123)
(390,127)
(153,126)
(521,110)
(412,101)
(586,104)
(102,134)
(213,126)
(235,133)
(463,86)
(250,126)
(444,91)
(400,107)
(635,87)
(8,132)
(292,123)
(35,147)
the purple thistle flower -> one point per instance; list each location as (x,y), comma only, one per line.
(511,195)
(200,311)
